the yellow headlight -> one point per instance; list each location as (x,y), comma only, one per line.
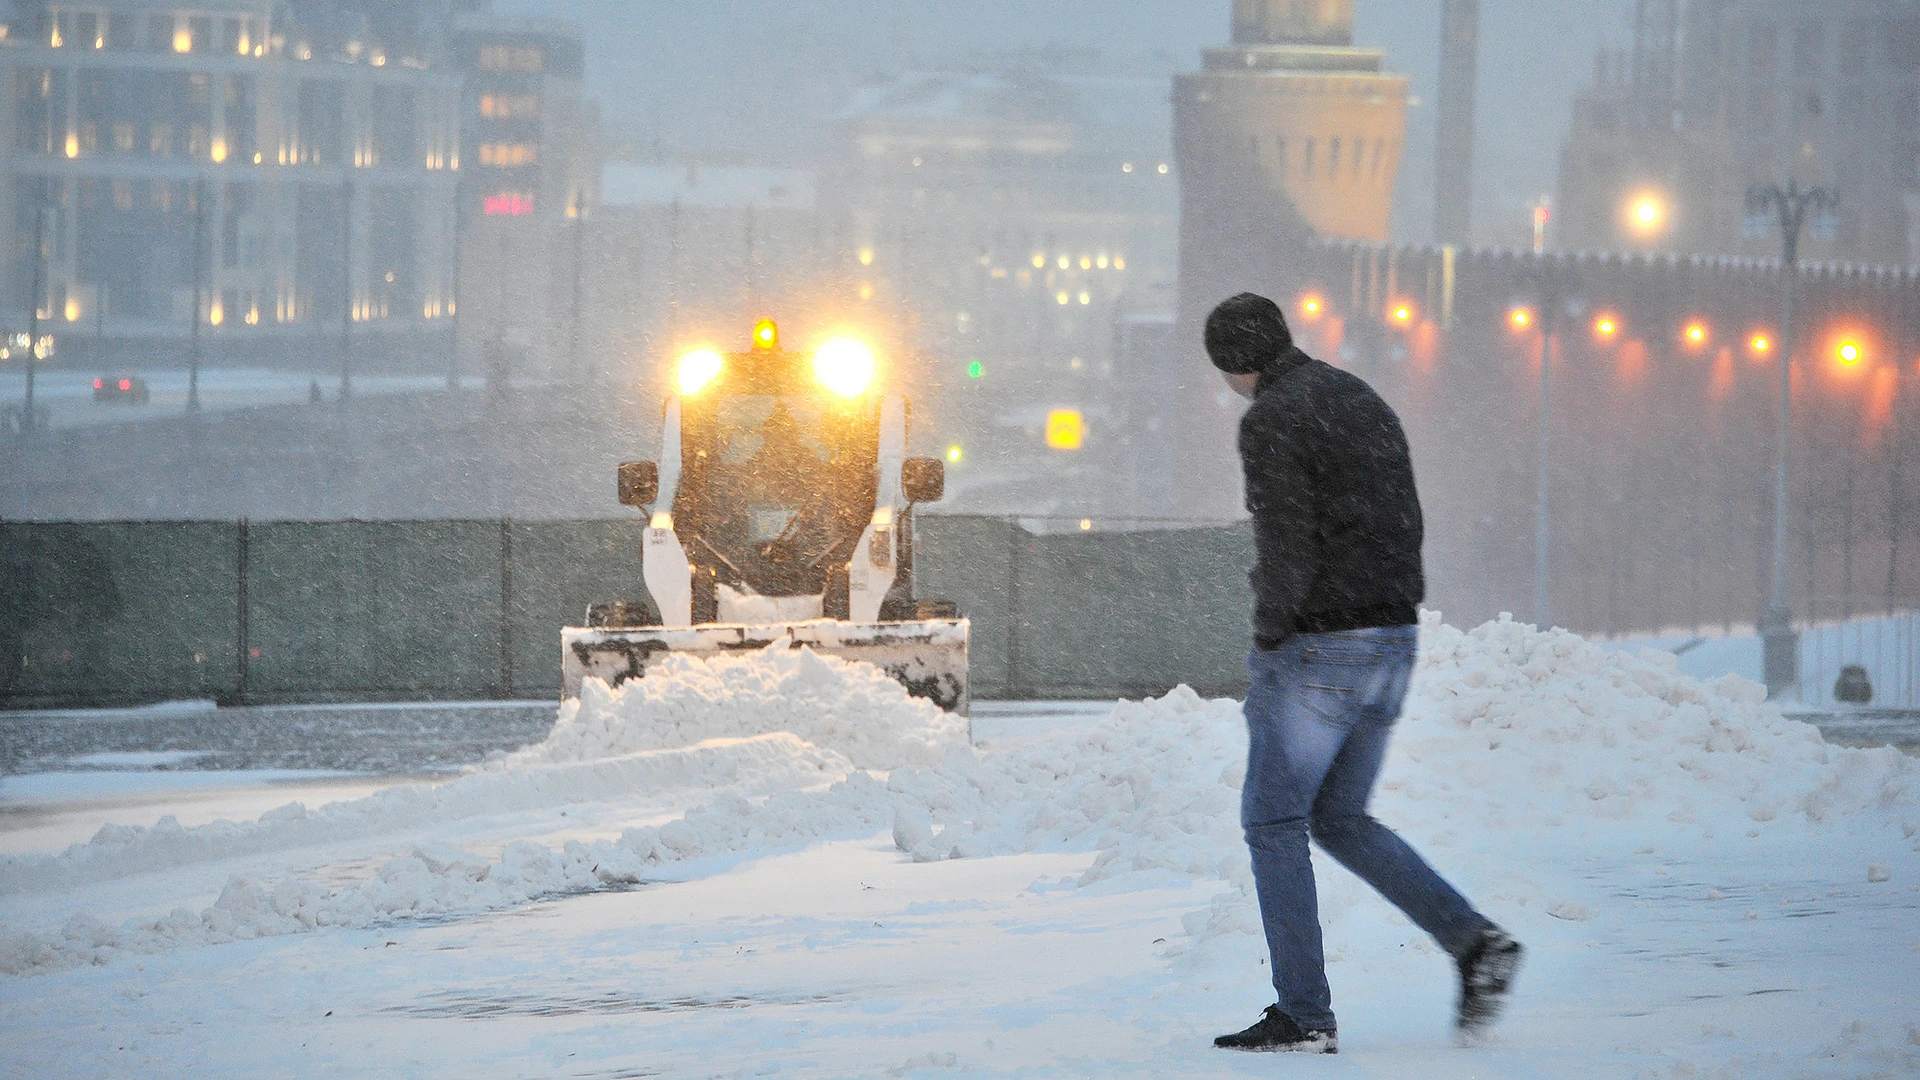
(697,369)
(844,366)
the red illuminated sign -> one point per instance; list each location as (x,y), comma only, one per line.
(507,204)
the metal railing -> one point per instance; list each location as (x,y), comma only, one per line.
(1887,648)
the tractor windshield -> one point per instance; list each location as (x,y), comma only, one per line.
(781,487)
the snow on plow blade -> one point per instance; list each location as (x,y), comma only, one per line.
(927,656)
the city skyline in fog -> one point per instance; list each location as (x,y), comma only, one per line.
(759,81)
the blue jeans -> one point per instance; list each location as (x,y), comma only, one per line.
(1319,713)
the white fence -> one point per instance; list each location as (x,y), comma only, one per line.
(1888,648)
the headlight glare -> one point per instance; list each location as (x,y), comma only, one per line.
(697,369)
(844,366)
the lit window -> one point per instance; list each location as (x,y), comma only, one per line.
(510,106)
(508,155)
(527,60)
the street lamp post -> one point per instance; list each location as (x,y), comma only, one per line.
(1556,302)
(199,286)
(1793,204)
(33,302)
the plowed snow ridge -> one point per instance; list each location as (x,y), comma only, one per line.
(1507,728)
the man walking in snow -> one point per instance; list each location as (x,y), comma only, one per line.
(1337,531)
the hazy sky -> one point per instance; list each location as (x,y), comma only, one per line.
(751,79)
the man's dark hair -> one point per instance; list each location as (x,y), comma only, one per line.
(1246,334)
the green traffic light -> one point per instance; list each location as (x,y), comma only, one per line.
(973,370)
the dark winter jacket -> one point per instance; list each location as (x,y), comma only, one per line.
(1336,519)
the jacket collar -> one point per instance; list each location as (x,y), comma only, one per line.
(1287,363)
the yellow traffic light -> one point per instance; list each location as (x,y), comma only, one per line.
(766,335)
(1066,429)
(955,454)
(697,369)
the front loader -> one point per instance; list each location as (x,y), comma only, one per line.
(780,512)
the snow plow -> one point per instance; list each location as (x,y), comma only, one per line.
(780,513)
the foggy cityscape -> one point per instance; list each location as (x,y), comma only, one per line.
(836,409)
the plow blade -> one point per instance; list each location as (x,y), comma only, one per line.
(927,656)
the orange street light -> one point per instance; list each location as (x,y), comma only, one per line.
(1606,327)
(1520,319)
(1401,314)
(1761,344)
(1849,353)
(1647,215)
(1696,335)
(1312,307)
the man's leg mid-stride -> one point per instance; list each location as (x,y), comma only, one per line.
(1319,712)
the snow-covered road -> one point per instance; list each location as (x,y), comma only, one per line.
(1706,890)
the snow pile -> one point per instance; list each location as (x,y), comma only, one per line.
(853,708)
(756,766)
(1510,725)
(1507,729)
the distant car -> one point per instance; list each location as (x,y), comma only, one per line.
(124,390)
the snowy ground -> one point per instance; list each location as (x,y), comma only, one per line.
(1706,889)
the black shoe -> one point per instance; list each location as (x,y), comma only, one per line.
(1277,1033)
(1486,974)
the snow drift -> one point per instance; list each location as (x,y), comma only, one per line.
(854,708)
(1507,728)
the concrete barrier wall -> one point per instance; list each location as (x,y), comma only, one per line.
(126,612)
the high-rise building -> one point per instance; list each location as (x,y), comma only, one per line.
(1733,93)
(243,176)
(530,178)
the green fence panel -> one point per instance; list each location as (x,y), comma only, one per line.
(107,612)
(969,560)
(1131,613)
(359,610)
(558,568)
(1093,615)
(125,612)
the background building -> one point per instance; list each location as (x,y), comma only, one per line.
(689,255)
(1009,221)
(530,151)
(289,166)
(1288,134)
(315,173)
(1731,93)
